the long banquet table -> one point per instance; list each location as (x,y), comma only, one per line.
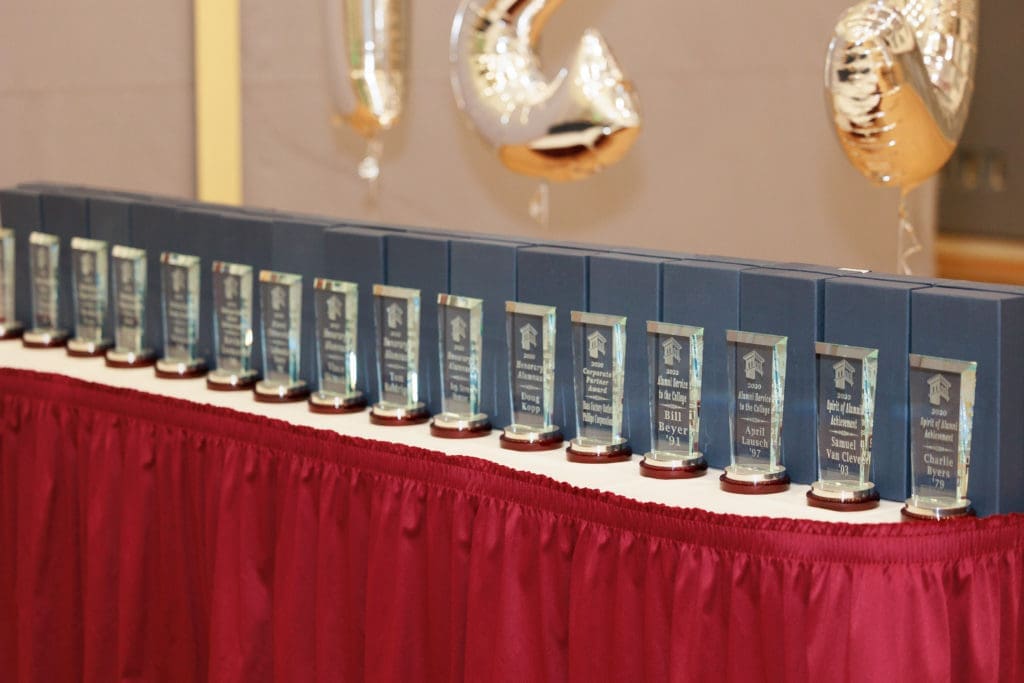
(193,536)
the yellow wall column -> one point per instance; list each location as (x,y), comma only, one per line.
(218,97)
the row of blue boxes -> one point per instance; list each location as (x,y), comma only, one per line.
(897,315)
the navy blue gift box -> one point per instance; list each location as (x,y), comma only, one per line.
(22,211)
(486,269)
(359,255)
(630,286)
(791,303)
(422,262)
(987,328)
(876,314)
(559,277)
(707,294)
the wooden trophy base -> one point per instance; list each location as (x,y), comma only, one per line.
(399,417)
(32,339)
(77,349)
(598,454)
(129,361)
(329,404)
(11,331)
(694,468)
(218,382)
(533,442)
(445,428)
(168,369)
(909,513)
(272,392)
(754,488)
(864,502)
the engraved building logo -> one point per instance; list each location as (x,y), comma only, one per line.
(230,287)
(277,298)
(671,351)
(177,280)
(395,315)
(938,390)
(596,343)
(458,329)
(126,272)
(333,308)
(753,365)
(527,337)
(86,264)
(844,374)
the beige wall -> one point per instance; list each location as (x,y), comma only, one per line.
(736,157)
(97,92)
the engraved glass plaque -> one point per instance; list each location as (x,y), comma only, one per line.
(460,352)
(9,327)
(337,320)
(599,358)
(128,270)
(675,355)
(397,318)
(44,275)
(757,379)
(89,287)
(530,333)
(846,416)
(941,423)
(232,328)
(179,301)
(281,313)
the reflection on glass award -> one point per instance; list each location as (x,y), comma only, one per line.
(941,423)
(337,320)
(530,333)
(232,328)
(179,303)
(846,417)
(397,317)
(757,379)
(675,356)
(281,313)
(89,286)
(44,275)
(599,361)
(460,352)
(128,268)
(10,328)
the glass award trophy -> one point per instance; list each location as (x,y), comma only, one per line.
(846,418)
(460,352)
(232,328)
(281,312)
(397,317)
(44,275)
(675,356)
(89,286)
(128,266)
(941,422)
(599,358)
(530,333)
(757,380)
(179,300)
(9,327)
(337,318)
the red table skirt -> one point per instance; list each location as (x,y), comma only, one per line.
(143,538)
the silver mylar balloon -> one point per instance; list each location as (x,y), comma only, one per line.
(584,119)
(366,49)
(899,77)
